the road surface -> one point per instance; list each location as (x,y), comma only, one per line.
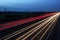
(36,28)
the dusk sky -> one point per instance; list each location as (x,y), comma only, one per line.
(30,5)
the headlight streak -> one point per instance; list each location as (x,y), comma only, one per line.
(24,29)
(52,28)
(23,37)
(48,28)
(41,30)
(40,27)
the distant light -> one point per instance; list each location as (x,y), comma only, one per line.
(59,13)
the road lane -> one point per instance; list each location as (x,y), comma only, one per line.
(24,29)
(40,25)
(47,29)
(42,30)
(33,30)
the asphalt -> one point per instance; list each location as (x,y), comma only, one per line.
(56,32)
(58,29)
(55,35)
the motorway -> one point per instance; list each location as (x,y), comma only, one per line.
(36,28)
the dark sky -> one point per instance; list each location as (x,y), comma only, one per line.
(30,5)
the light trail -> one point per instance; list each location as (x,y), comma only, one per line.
(38,29)
(23,37)
(20,22)
(24,29)
(52,28)
(48,29)
(41,28)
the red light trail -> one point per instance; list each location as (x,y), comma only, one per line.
(20,22)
